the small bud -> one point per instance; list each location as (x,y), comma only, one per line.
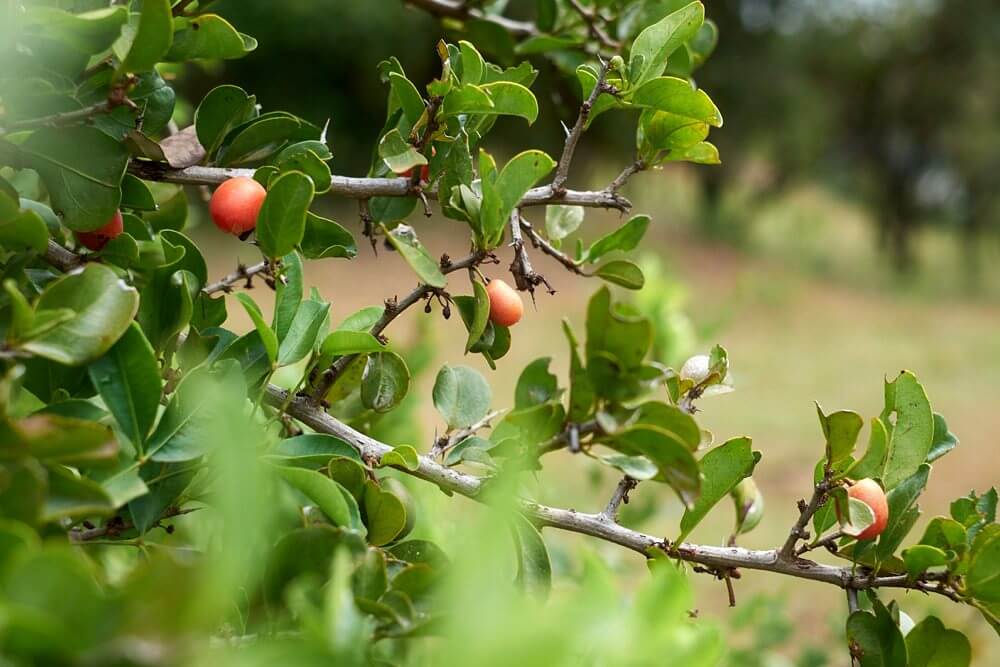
(695,369)
(427,307)
(617,64)
(446,311)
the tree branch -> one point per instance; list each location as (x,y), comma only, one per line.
(806,512)
(593,20)
(241,273)
(525,277)
(456,9)
(392,310)
(627,173)
(365,188)
(596,525)
(573,136)
(620,495)
(541,244)
(59,119)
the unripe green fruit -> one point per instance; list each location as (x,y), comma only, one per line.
(506,307)
(98,238)
(696,368)
(235,205)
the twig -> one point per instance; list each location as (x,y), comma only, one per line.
(620,495)
(366,188)
(241,273)
(806,512)
(593,19)
(457,9)
(827,542)
(60,119)
(573,136)
(594,525)
(525,277)
(570,437)
(392,310)
(447,441)
(627,173)
(541,244)
(117,525)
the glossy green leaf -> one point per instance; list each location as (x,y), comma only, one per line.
(677,96)
(902,512)
(636,467)
(673,459)
(385,515)
(82,168)
(282,219)
(404,239)
(983,578)
(222,109)
(857,518)
(723,467)
(288,294)
(921,557)
(267,335)
(840,429)
(511,99)
(331,498)
(208,36)
(461,395)
(872,464)
(325,238)
(943,441)
(21,229)
(385,381)
(480,314)
(624,238)
(534,570)
(622,273)
(153,37)
(519,175)
(303,334)
(342,342)
(912,433)
(398,154)
(536,384)
(103,307)
(403,456)
(653,46)
(128,379)
(877,637)
(930,644)
(313,449)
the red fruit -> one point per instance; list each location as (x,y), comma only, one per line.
(98,238)
(506,307)
(235,205)
(870,493)
(425,172)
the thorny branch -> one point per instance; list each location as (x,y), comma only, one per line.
(449,440)
(806,512)
(593,19)
(525,277)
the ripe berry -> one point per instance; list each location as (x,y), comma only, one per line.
(870,493)
(506,307)
(235,205)
(98,238)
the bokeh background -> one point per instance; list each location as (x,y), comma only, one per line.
(852,230)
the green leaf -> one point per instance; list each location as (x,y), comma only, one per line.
(288,294)
(222,109)
(921,557)
(930,644)
(260,137)
(722,468)
(660,131)
(500,197)
(472,63)
(581,391)
(943,441)
(461,395)
(841,431)
(341,342)
(636,467)
(282,219)
(534,571)
(302,336)
(152,39)
(385,381)
(128,379)
(902,513)
(561,221)
(857,518)
(313,449)
(878,637)
(209,37)
(622,273)
(536,384)
(677,96)
(408,96)
(82,168)
(267,335)
(983,578)
(511,99)
(385,515)
(872,464)
(528,427)
(73,497)
(398,154)
(325,238)
(467,99)
(480,314)
(405,241)
(912,433)
(673,459)
(617,331)
(669,418)
(653,46)
(701,153)
(19,229)
(403,456)
(103,307)
(57,439)
(624,238)
(944,533)
(331,498)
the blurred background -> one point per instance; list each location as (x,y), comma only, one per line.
(852,230)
